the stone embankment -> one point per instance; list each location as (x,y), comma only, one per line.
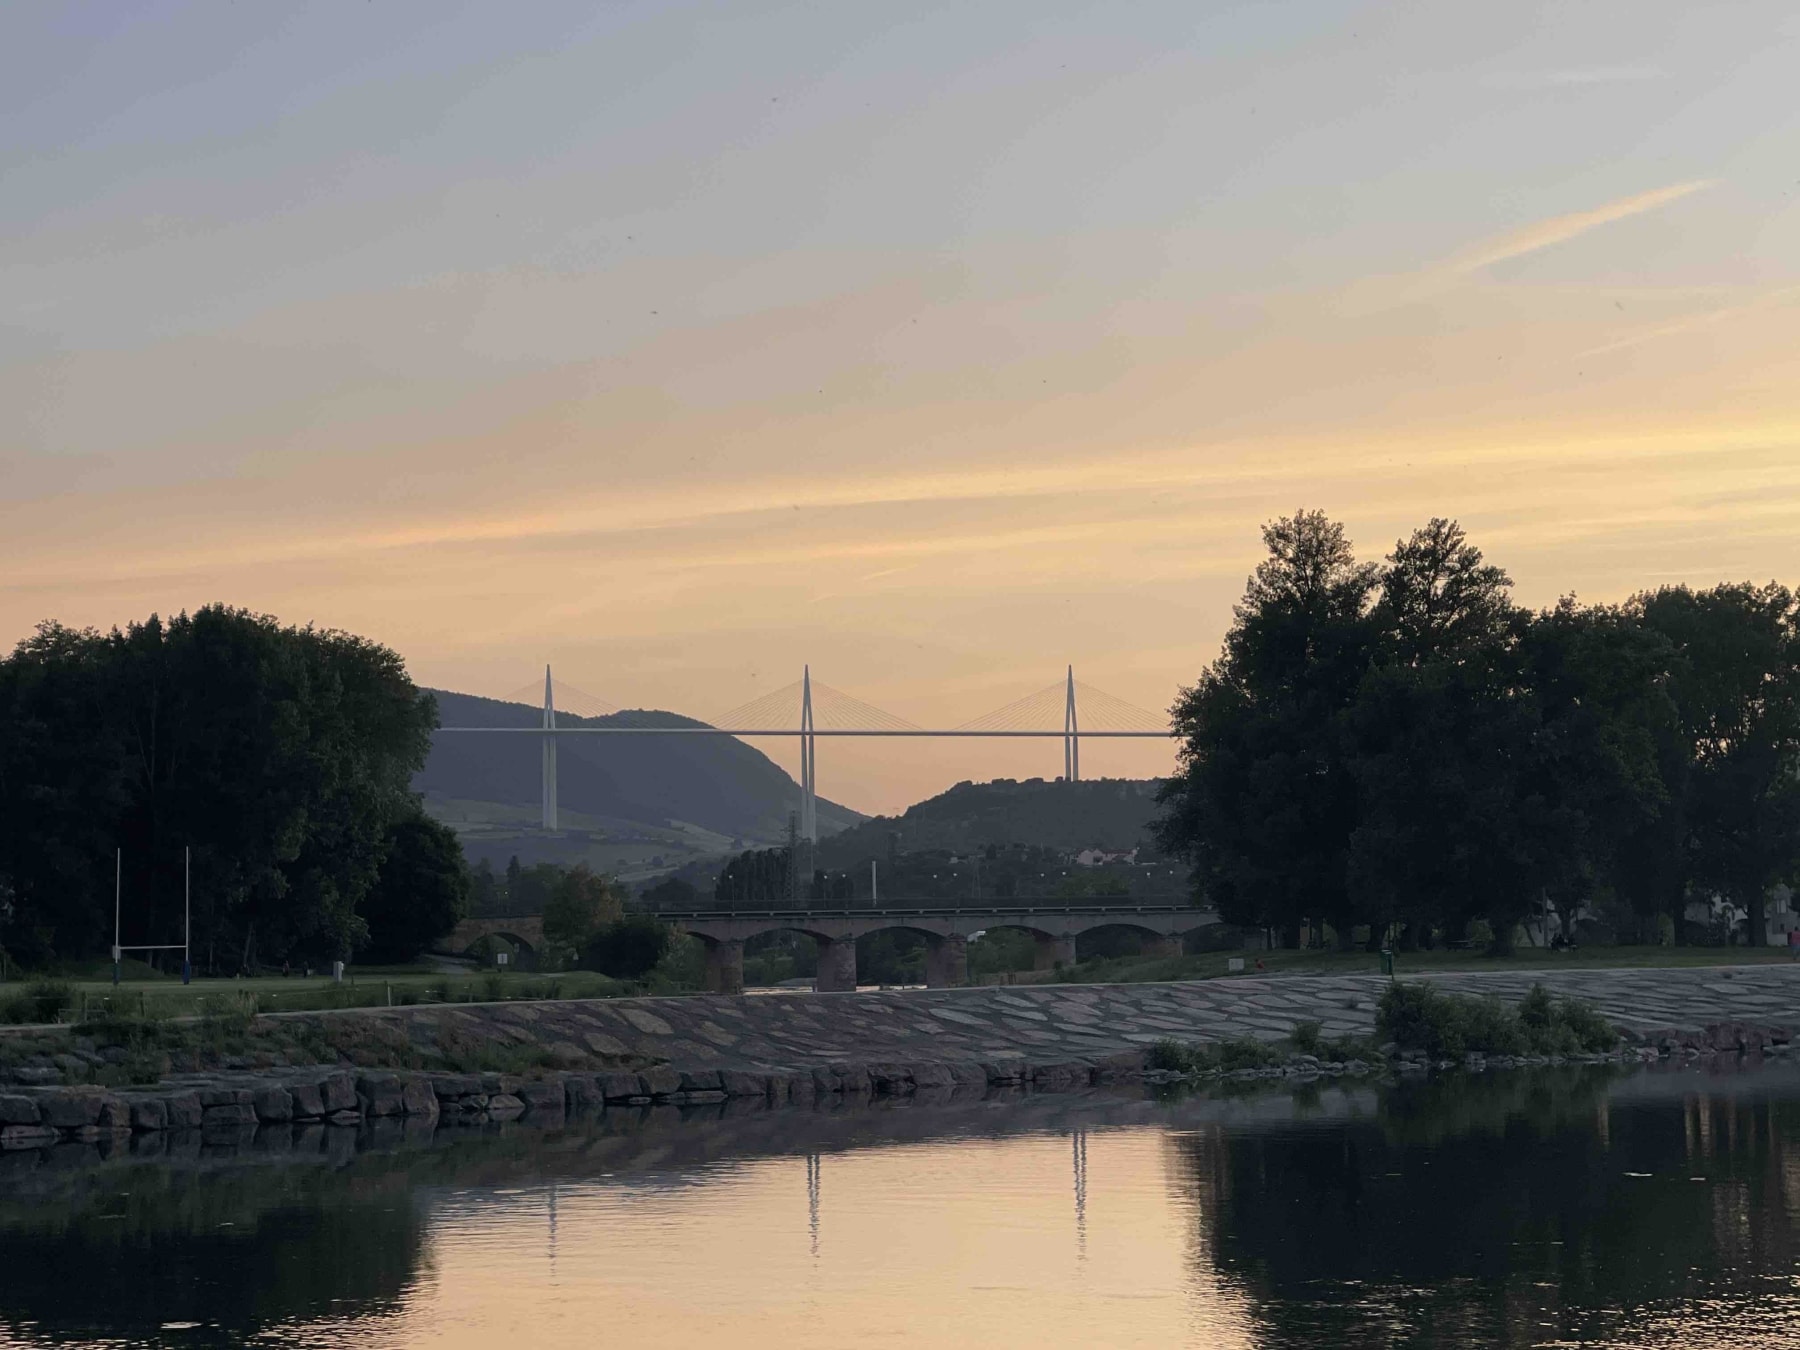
(338,1068)
(234,1107)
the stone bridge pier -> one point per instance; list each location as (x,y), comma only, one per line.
(946,933)
(837,966)
(946,961)
(725,967)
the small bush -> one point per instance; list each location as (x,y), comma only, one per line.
(1242,1052)
(1417,1016)
(1307,1038)
(1347,1049)
(1169,1056)
(628,948)
(39,1001)
(1592,1032)
(493,986)
(225,1017)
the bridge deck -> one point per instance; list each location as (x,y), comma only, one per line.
(917,909)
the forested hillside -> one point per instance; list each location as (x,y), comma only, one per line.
(1110,813)
(659,796)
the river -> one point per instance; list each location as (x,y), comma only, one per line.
(1557,1207)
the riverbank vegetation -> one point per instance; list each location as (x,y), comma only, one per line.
(1398,752)
(1328,960)
(1412,1018)
(1415,1015)
(275,761)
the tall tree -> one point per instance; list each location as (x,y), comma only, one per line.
(1735,682)
(580,902)
(1262,803)
(420,893)
(280,757)
(1607,738)
(1443,732)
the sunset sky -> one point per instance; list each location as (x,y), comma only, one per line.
(939,347)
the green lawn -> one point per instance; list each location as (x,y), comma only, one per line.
(165,996)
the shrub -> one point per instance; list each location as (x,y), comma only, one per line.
(39,1001)
(226,1015)
(628,948)
(1591,1031)
(1242,1052)
(1417,1016)
(1306,1038)
(1169,1056)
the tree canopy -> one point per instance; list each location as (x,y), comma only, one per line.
(1400,745)
(281,757)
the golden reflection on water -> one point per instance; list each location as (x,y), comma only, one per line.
(1037,1241)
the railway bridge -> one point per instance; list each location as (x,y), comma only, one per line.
(946,927)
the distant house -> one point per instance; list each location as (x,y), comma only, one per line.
(1095,857)
(1716,911)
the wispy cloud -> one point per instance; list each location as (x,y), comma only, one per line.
(1560,229)
(1694,321)
(1375,294)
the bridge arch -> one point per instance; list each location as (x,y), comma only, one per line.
(947,929)
(1104,939)
(478,937)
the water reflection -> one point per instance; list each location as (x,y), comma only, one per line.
(1516,1211)
(1553,1208)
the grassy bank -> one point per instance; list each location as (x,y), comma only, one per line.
(164,997)
(1214,965)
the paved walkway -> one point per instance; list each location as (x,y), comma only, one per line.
(1044,1022)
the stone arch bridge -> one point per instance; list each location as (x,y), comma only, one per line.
(525,931)
(946,930)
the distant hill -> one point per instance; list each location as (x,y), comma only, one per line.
(1110,813)
(627,803)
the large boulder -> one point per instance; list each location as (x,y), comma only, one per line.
(380,1094)
(309,1100)
(928,1076)
(504,1106)
(661,1081)
(739,1083)
(183,1111)
(418,1098)
(543,1097)
(622,1087)
(339,1092)
(581,1093)
(70,1108)
(149,1113)
(274,1104)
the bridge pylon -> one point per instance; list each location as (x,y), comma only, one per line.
(1071,734)
(549,804)
(809,767)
